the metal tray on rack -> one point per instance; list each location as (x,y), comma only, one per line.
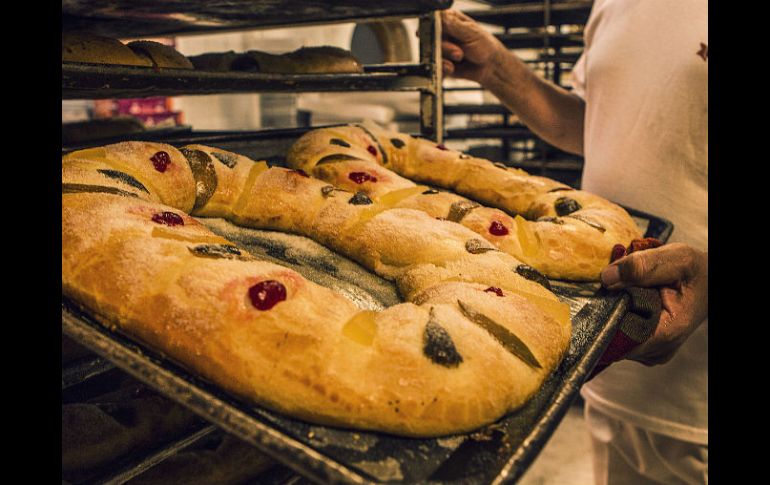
(97,81)
(497,453)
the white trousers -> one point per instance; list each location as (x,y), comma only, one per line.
(624,454)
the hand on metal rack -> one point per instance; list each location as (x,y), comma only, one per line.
(680,273)
(468,49)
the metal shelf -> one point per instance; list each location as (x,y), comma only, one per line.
(575,12)
(153,18)
(97,81)
(553,59)
(121,18)
(514,132)
(476,109)
(550,164)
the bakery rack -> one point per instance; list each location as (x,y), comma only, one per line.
(554,29)
(498,453)
(127,18)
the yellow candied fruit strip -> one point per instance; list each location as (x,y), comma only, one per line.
(97,154)
(361,328)
(527,238)
(367,214)
(168,233)
(392,198)
(385,202)
(254,172)
(553,308)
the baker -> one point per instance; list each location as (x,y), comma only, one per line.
(638,113)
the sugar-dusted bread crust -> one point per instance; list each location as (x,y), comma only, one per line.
(563,233)
(427,367)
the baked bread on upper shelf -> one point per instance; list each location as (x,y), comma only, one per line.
(306,60)
(98,49)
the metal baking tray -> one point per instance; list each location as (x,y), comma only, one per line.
(497,453)
(98,81)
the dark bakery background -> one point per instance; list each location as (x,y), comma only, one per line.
(117,429)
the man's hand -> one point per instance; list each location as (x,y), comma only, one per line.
(681,274)
(469,50)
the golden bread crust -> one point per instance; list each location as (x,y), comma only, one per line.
(421,368)
(562,232)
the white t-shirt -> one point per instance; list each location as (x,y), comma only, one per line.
(644,77)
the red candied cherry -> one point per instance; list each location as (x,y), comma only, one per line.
(618,251)
(266,294)
(643,244)
(498,229)
(372,150)
(361,177)
(168,219)
(441,146)
(497,291)
(161,161)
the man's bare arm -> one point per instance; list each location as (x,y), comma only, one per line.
(471,52)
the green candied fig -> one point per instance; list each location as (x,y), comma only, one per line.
(565,206)
(460,209)
(83,188)
(217,251)
(509,340)
(336,158)
(204,174)
(478,246)
(437,344)
(551,219)
(360,198)
(339,142)
(328,190)
(588,221)
(229,160)
(397,143)
(533,275)
(430,192)
(123,177)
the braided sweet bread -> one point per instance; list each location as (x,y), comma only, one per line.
(562,232)
(474,340)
